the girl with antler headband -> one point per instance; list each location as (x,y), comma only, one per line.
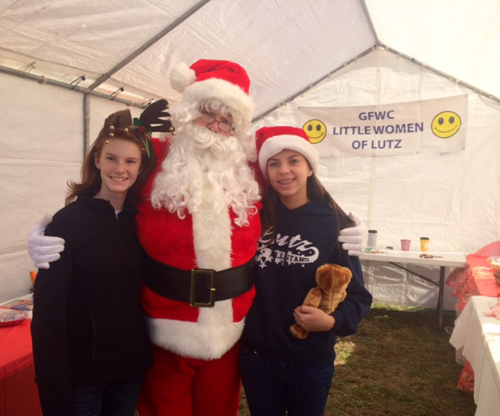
(90,342)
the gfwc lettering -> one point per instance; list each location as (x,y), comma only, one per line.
(376,115)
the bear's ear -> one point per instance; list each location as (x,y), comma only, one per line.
(347,274)
(323,277)
(321,270)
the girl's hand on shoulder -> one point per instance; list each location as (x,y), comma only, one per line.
(313,319)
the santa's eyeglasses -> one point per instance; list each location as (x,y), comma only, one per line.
(223,124)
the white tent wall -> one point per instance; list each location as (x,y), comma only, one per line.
(41,148)
(452,198)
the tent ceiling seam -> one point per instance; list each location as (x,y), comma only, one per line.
(370,21)
(378,45)
(148,44)
(440,73)
(313,84)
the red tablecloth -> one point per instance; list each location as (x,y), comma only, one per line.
(18,391)
(477,279)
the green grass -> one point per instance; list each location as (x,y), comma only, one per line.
(398,364)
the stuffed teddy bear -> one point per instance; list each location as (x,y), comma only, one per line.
(332,281)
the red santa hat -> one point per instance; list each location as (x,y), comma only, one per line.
(272,140)
(224,81)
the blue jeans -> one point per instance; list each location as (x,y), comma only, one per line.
(273,387)
(111,399)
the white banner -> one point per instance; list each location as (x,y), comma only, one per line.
(427,126)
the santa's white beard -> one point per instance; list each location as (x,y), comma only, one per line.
(209,167)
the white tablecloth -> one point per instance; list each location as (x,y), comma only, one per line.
(479,336)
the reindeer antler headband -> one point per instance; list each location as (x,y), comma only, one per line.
(153,118)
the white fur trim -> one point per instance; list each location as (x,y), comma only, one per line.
(274,145)
(223,91)
(215,332)
(181,77)
(194,339)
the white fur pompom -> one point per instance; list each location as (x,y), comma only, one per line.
(181,77)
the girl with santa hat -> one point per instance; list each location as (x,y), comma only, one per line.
(301,222)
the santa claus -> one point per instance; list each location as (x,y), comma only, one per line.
(199,224)
(200,228)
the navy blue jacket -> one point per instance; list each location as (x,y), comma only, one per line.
(306,238)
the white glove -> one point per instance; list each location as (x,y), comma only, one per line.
(43,249)
(355,238)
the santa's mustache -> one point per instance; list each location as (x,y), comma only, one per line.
(209,147)
(203,138)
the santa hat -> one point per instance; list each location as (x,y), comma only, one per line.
(224,81)
(272,140)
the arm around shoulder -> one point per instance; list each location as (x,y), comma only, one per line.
(43,249)
(354,239)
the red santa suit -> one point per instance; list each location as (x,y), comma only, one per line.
(196,355)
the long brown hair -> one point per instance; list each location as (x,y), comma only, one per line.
(117,126)
(315,190)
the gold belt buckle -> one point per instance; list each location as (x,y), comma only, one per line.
(192,291)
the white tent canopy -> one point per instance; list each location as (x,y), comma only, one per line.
(286,46)
(66,64)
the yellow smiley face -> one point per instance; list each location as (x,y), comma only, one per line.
(446,124)
(315,130)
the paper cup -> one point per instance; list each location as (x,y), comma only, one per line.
(424,243)
(372,239)
(405,245)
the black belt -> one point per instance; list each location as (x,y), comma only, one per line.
(199,287)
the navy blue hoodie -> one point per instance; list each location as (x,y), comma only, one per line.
(306,238)
(88,326)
